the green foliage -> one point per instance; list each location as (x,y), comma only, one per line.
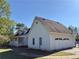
(4,42)
(77,37)
(5,23)
(5,26)
(4,9)
(73,29)
(20,26)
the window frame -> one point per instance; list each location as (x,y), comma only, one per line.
(40,41)
(36,22)
(33,41)
(66,39)
(61,39)
(56,38)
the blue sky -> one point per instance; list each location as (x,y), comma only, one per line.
(64,11)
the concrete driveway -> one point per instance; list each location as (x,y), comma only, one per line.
(31,53)
(74,51)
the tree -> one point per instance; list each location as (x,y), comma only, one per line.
(6,25)
(77,37)
(73,29)
(4,9)
(19,25)
(21,28)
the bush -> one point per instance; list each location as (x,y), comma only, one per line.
(4,42)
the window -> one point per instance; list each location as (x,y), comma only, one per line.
(36,22)
(40,41)
(56,38)
(33,41)
(66,39)
(60,38)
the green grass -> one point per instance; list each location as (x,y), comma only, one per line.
(8,54)
(62,54)
(5,50)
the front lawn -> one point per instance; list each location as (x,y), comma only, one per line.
(5,50)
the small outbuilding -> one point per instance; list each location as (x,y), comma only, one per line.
(20,38)
(49,35)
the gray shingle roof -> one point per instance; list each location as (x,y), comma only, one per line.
(53,26)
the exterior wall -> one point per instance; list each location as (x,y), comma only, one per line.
(13,43)
(37,31)
(25,41)
(61,44)
(16,43)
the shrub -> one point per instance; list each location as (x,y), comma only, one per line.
(4,42)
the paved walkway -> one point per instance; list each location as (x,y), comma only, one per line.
(62,57)
(73,51)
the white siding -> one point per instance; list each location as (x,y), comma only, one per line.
(16,43)
(37,31)
(61,44)
(48,39)
(25,41)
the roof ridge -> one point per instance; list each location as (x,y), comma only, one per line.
(53,26)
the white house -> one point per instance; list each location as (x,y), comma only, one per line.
(21,38)
(49,35)
(19,41)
